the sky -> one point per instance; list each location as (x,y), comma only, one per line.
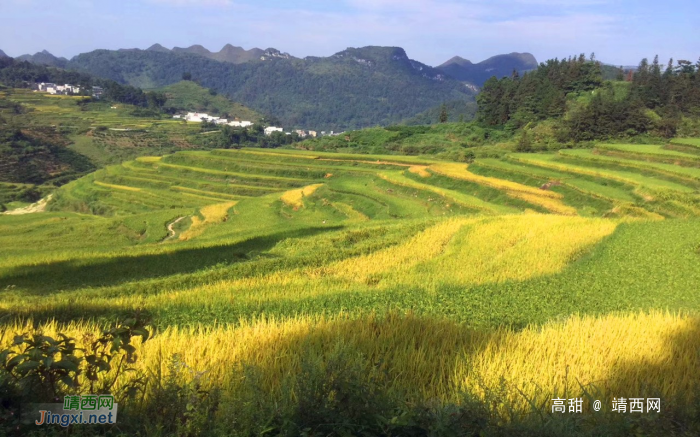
(620,32)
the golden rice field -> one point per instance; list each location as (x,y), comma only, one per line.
(439,359)
(533,277)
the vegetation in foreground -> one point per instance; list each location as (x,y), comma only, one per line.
(308,293)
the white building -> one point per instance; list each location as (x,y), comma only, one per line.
(301,133)
(44,86)
(241,123)
(313,133)
(270,129)
(196,117)
(52,88)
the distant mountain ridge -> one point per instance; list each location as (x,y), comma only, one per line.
(499,66)
(229,53)
(44,58)
(354,88)
(3,55)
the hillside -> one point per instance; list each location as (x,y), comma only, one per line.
(189,96)
(498,66)
(401,282)
(46,141)
(353,88)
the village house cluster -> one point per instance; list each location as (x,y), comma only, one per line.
(66,89)
(199,117)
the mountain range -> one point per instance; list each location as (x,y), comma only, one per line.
(44,58)
(499,66)
(354,88)
(229,53)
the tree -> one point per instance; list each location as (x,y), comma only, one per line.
(186,76)
(524,143)
(155,100)
(620,74)
(655,88)
(685,67)
(443,114)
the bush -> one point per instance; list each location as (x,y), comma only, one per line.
(179,405)
(41,369)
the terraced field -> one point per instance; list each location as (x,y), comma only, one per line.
(536,274)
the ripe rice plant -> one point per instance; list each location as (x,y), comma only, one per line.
(546,199)
(295,198)
(645,355)
(437,275)
(210,214)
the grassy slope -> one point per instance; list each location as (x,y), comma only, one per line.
(82,138)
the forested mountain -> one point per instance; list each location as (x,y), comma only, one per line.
(498,66)
(353,88)
(573,93)
(44,58)
(20,74)
(3,55)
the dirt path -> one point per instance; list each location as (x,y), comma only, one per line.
(39,206)
(171,231)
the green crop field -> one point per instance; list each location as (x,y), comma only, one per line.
(535,274)
(650,152)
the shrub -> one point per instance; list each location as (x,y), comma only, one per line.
(179,405)
(38,368)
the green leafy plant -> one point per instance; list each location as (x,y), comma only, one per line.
(41,368)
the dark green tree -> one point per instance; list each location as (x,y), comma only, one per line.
(443,114)
(524,142)
(620,74)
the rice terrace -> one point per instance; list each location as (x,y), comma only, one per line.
(250,243)
(455,278)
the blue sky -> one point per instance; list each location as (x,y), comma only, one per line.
(618,31)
